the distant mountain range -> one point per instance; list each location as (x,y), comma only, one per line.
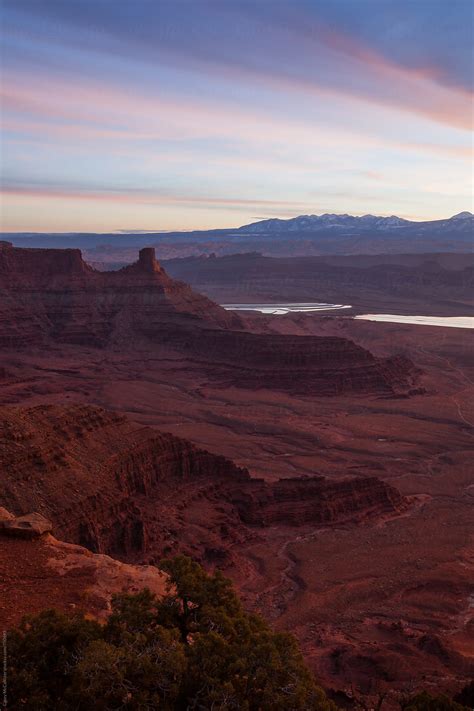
(462,222)
(328,234)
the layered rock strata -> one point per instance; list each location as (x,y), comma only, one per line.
(52,297)
(127,490)
(52,294)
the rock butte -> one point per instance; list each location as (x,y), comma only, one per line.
(53,294)
(53,297)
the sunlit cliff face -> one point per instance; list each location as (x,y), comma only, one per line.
(183,115)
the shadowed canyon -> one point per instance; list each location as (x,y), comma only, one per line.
(236,355)
(323,463)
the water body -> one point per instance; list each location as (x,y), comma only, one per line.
(281,309)
(446,321)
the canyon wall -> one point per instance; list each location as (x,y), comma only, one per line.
(316,500)
(49,294)
(123,489)
(52,297)
(437,283)
(304,365)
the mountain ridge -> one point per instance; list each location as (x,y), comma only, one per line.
(393,220)
(334,220)
(303,235)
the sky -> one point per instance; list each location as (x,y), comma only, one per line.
(196,114)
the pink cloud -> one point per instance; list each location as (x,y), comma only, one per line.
(143,197)
(97,113)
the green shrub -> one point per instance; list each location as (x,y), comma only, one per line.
(426,702)
(466,695)
(196,648)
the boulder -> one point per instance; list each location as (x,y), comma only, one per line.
(4,514)
(32,525)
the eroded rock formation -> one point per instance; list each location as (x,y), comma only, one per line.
(119,488)
(32,525)
(50,297)
(52,294)
(301,364)
(316,500)
(41,572)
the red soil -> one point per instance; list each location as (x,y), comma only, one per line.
(46,573)
(386,602)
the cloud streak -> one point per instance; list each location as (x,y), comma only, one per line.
(142,197)
(180,105)
(94,111)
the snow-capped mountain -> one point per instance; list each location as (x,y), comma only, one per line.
(328,234)
(350,224)
(463,216)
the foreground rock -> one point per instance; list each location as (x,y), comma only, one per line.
(32,525)
(331,560)
(43,572)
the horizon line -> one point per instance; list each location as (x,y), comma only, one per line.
(143,232)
